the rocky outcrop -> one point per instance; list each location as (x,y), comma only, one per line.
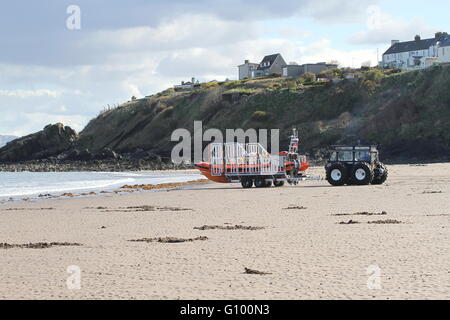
(52,141)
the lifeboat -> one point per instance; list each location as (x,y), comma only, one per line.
(251,163)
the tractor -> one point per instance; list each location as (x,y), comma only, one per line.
(355,165)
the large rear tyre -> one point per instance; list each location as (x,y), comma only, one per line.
(337,174)
(362,174)
(278,183)
(246,183)
(380,179)
(260,183)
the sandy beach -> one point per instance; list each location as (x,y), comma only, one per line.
(310,241)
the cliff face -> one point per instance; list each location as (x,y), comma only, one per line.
(408,114)
(51,141)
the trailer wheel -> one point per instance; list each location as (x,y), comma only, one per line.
(337,174)
(246,183)
(278,183)
(362,174)
(260,183)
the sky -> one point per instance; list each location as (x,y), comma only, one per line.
(60,63)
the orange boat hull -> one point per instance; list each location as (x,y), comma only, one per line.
(205,169)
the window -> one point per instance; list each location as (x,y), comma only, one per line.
(362,156)
(345,156)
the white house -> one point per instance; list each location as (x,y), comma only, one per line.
(413,55)
(443,49)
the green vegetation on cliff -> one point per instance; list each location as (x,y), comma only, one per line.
(407,113)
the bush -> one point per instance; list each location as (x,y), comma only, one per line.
(233,83)
(374,75)
(260,116)
(208,85)
(332,73)
(392,71)
(308,77)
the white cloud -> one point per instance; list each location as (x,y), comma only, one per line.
(383,27)
(322,51)
(30,93)
(25,94)
(290,31)
(184,32)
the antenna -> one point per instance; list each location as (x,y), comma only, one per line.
(293,146)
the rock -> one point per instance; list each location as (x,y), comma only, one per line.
(50,142)
(107,153)
(79,155)
(139,154)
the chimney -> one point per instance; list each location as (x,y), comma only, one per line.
(417,38)
(247,61)
(394,42)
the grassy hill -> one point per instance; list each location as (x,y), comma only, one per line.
(408,114)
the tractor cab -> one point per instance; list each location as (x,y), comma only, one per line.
(354,154)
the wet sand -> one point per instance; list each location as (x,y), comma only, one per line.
(212,241)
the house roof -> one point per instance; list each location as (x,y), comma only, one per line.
(445,41)
(411,46)
(271,59)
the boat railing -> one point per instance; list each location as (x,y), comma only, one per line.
(239,160)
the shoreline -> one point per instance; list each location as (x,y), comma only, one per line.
(113,191)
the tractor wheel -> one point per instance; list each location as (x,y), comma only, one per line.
(246,183)
(337,174)
(260,183)
(362,174)
(278,183)
(381,178)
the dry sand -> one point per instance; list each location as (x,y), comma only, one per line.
(197,244)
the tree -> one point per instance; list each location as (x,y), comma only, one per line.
(308,77)
(335,62)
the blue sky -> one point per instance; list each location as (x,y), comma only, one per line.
(50,74)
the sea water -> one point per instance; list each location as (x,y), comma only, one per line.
(29,184)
